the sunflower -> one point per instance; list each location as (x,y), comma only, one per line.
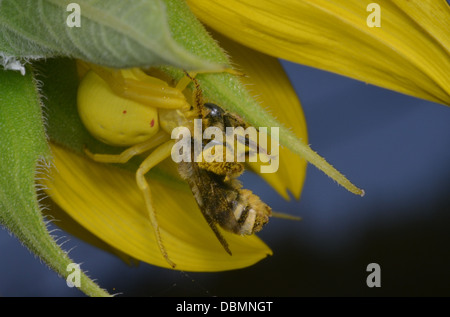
(407,51)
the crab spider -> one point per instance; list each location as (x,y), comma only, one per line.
(128,107)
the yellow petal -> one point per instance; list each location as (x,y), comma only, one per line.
(107,202)
(409,53)
(68,224)
(266,79)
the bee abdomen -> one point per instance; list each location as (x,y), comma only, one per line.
(250,212)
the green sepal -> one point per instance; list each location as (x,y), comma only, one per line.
(113,33)
(24,151)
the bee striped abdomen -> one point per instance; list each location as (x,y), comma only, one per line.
(223,202)
(240,213)
(255,213)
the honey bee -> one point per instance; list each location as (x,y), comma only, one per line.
(216,189)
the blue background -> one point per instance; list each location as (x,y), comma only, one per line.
(394,146)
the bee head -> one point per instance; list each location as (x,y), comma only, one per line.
(213,115)
(214,111)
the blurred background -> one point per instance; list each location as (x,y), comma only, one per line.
(395,147)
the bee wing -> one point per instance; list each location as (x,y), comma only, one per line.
(216,231)
(208,195)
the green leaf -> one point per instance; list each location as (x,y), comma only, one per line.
(227,91)
(23,151)
(113,33)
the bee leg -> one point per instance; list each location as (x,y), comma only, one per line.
(189,77)
(197,96)
(158,155)
(134,150)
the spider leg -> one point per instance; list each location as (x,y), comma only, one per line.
(159,154)
(197,96)
(134,150)
(189,76)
